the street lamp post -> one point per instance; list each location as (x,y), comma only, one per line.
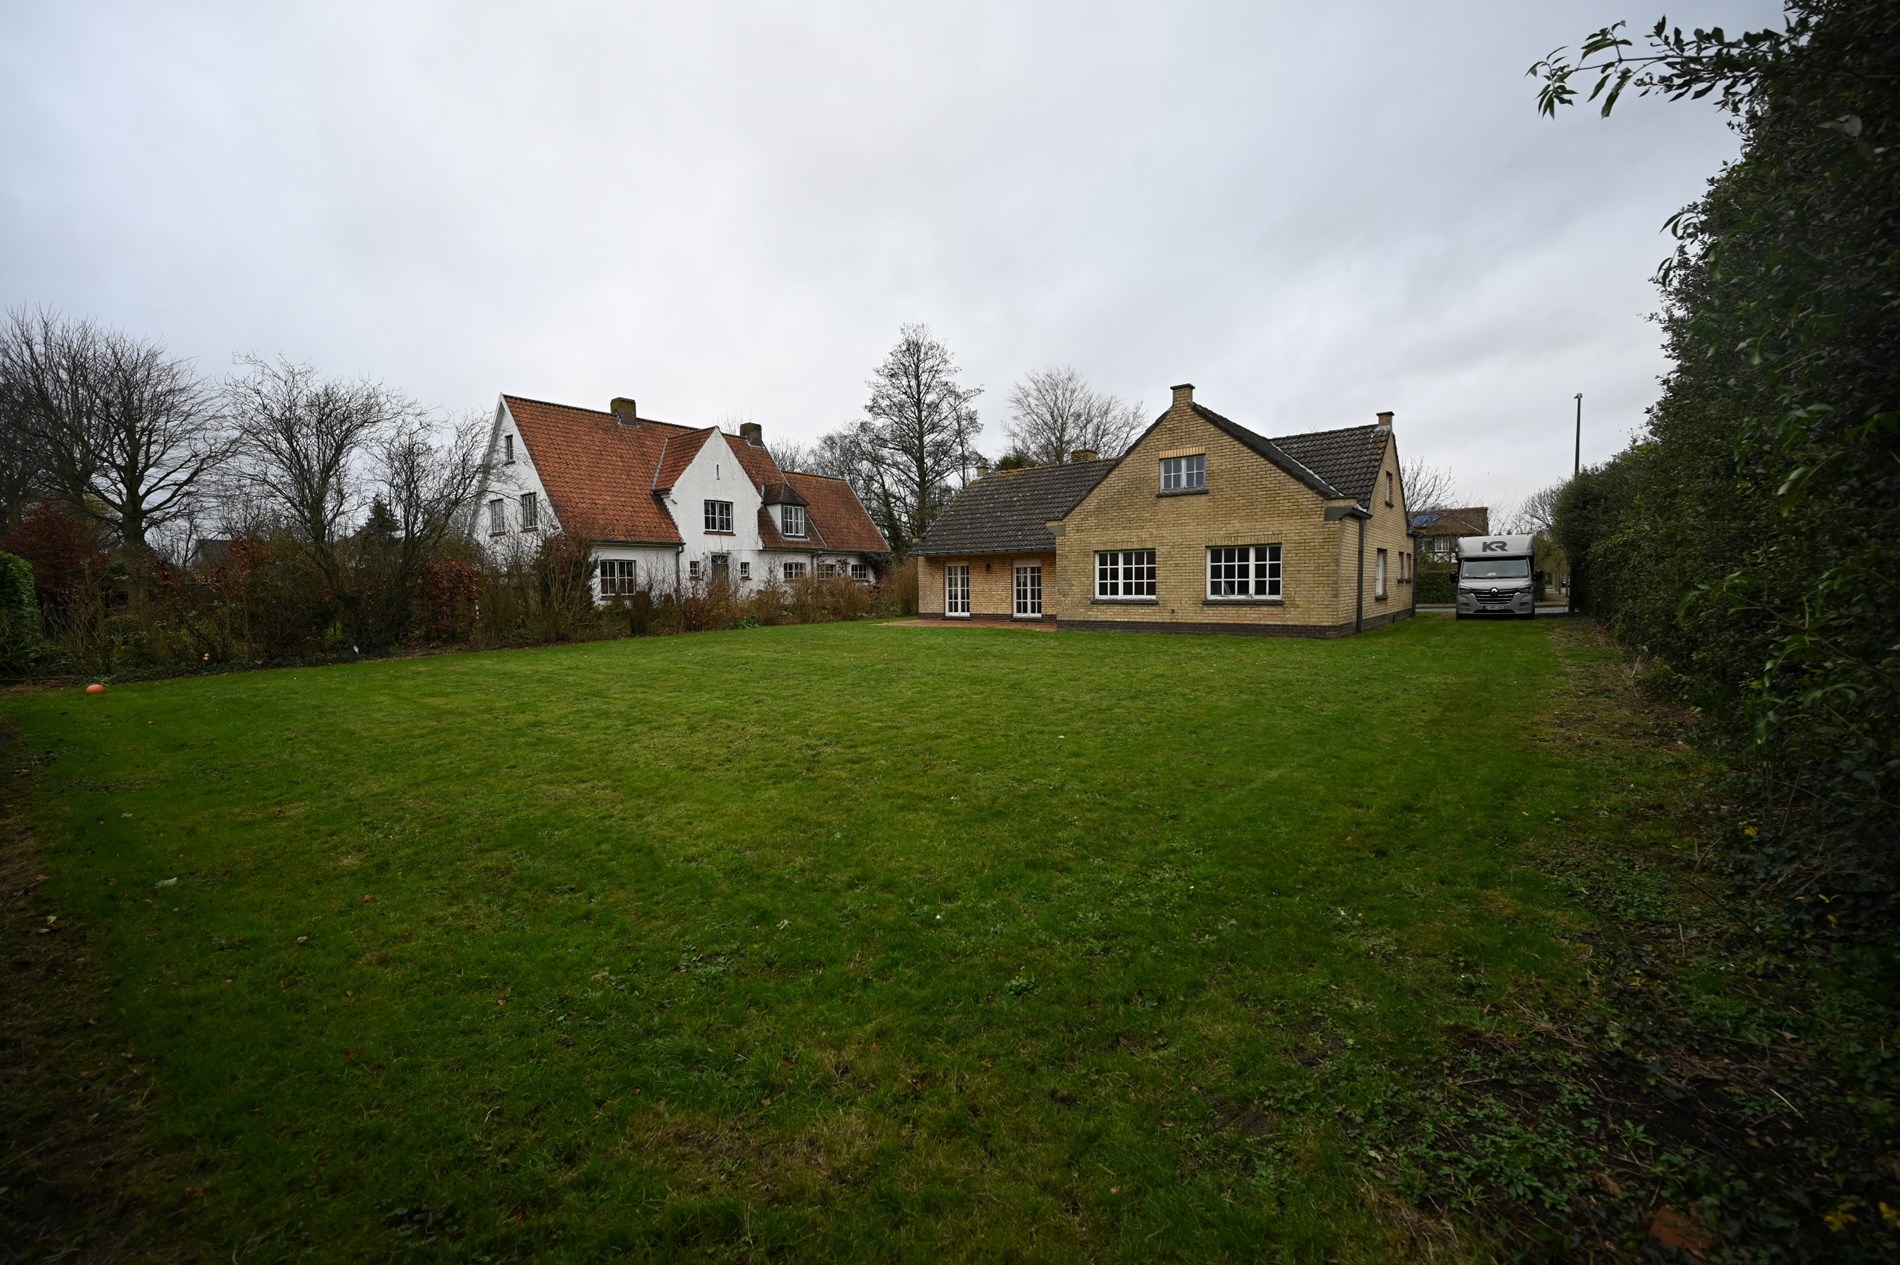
(1576,468)
(1576,462)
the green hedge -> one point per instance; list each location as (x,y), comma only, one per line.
(20,643)
(1437,588)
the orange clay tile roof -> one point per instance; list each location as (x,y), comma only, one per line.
(603,479)
(680,451)
(837,515)
(599,474)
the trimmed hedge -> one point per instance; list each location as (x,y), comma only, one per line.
(20,644)
(1437,588)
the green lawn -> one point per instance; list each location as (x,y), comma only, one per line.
(829,942)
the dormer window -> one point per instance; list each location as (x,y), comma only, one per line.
(792,520)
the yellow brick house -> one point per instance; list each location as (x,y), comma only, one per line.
(1201,526)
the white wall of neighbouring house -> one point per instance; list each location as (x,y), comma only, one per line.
(509,480)
(654,565)
(715,474)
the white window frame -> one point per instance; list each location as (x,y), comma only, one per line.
(693,570)
(1378,574)
(793,571)
(827,570)
(1259,568)
(507,450)
(1025,590)
(1186,473)
(497,516)
(861,571)
(530,512)
(719,517)
(619,577)
(791,520)
(1388,487)
(1125,575)
(745,570)
(956,590)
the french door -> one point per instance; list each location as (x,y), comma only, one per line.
(1029,590)
(956,589)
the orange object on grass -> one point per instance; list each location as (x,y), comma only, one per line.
(95,688)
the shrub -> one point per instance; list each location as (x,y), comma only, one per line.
(21,645)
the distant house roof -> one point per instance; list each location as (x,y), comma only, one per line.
(1469,520)
(1008,511)
(606,479)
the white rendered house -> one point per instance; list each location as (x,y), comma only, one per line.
(666,506)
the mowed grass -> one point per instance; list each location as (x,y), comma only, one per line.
(835,942)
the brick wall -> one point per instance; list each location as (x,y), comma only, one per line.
(992,584)
(1248,501)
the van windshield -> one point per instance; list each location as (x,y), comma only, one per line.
(1496,569)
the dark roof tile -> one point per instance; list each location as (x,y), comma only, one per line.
(1008,511)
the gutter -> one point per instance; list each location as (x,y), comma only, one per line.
(1359,599)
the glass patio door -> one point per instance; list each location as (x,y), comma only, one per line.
(1029,590)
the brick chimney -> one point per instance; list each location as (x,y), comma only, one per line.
(1082,454)
(752,433)
(624,411)
(1183,394)
(1385,419)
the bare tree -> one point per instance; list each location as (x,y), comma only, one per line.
(128,434)
(22,463)
(1536,514)
(304,445)
(1056,412)
(1428,487)
(918,434)
(423,487)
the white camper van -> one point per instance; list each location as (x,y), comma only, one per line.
(1497,575)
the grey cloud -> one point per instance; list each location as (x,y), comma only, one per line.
(1312,212)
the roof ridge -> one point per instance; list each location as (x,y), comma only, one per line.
(593,412)
(1337,430)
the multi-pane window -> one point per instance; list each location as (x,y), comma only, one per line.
(794,571)
(718,515)
(1243,571)
(497,517)
(530,512)
(1125,573)
(827,570)
(860,571)
(1184,474)
(1378,575)
(792,519)
(1029,589)
(693,571)
(745,570)
(956,589)
(616,577)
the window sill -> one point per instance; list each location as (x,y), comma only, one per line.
(1381,597)
(1182,492)
(496,535)
(710,531)
(1124,601)
(530,529)
(1027,619)
(1243,601)
(956,614)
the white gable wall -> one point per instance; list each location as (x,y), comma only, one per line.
(508,481)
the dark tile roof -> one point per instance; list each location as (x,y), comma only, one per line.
(1006,512)
(1470,520)
(1347,459)
(1274,450)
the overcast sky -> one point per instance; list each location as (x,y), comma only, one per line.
(1313,212)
